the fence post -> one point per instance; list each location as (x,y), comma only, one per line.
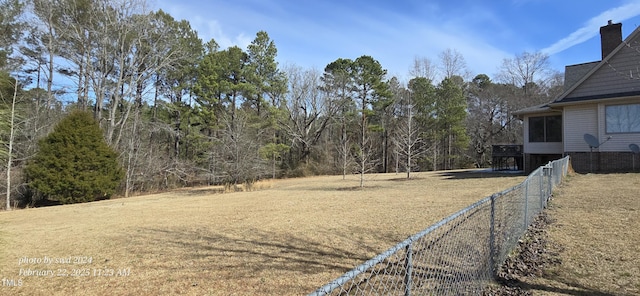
(408,270)
(542,193)
(550,172)
(546,192)
(526,202)
(502,232)
(492,238)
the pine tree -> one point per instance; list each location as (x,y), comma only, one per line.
(74,163)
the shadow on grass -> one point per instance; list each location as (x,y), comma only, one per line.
(476,174)
(410,179)
(574,288)
(259,251)
(203,190)
(358,188)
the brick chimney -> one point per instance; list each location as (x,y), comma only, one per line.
(610,37)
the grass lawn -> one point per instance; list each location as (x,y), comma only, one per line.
(288,239)
(596,231)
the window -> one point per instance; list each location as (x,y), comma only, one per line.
(553,128)
(623,118)
(536,129)
(545,129)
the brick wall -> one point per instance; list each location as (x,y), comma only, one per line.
(610,37)
(533,161)
(603,162)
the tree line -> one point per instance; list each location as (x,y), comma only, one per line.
(179,111)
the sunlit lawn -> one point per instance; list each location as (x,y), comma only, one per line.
(288,239)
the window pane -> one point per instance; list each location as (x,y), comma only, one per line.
(554,128)
(623,118)
(536,129)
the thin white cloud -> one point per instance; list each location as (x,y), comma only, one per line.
(591,28)
(348,32)
(416,37)
(479,56)
(208,29)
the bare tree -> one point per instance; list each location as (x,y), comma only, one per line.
(132,152)
(488,116)
(12,129)
(45,43)
(309,109)
(529,75)
(114,50)
(423,67)
(524,69)
(555,84)
(241,159)
(408,141)
(452,63)
(343,147)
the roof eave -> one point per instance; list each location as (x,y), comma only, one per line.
(597,99)
(546,109)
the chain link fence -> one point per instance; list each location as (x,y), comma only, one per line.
(460,254)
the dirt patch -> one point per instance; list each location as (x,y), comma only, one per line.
(533,254)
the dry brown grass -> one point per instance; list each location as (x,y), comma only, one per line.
(286,240)
(597,229)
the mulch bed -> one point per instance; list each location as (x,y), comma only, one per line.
(533,254)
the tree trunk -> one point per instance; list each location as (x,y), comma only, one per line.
(345,150)
(435,155)
(409,163)
(50,67)
(176,138)
(132,155)
(449,150)
(397,162)
(11,136)
(273,166)
(362,143)
(385,153)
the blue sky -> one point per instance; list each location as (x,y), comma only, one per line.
(315,33)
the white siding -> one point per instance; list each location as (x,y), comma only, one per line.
(539,147)
(578,120)
(543,148)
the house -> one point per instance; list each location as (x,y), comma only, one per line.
(596,120)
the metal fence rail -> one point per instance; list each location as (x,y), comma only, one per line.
(460,254)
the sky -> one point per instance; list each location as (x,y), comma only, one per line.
(312,34)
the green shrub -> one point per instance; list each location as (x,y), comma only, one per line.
(74,164)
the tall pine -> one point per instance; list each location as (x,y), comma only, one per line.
(450,111)
(74,163)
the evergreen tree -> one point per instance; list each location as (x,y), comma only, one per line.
(10,31)
(450,114)
(370,91)
(74,163)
